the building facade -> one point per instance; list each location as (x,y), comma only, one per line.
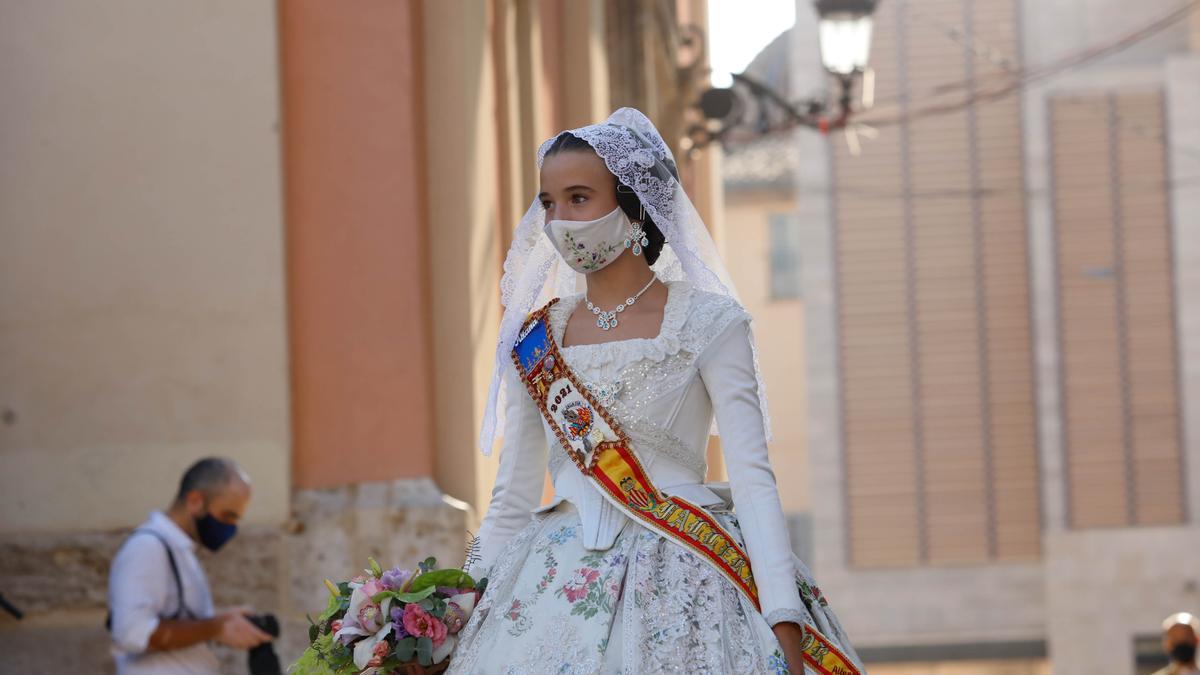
(273,231)
(1002,351)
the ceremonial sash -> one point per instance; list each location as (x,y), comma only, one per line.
(597,445)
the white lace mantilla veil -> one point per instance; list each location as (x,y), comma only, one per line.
(534,273)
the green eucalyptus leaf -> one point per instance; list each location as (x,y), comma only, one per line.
(425,651)
(406,649)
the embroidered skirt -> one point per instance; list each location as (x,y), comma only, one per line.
(645,605)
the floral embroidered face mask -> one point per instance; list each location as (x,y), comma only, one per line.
(589,245)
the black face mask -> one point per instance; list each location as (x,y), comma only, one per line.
(213,533)
(1184,653)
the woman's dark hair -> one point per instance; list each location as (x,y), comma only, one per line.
(627,199)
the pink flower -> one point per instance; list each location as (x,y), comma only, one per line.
(515,611)
(576,587)
(373,587)
(336,625)
(370,618)
(420,623)
(379,653)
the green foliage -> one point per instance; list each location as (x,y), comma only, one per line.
(406,649)
(435,606)
(450,577)
(311,662)
(425,651)
(334,608)
(325,657)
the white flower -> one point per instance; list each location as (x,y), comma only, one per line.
(444,649)
(364,651)
(466,601)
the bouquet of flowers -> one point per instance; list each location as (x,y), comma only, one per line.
(387,622)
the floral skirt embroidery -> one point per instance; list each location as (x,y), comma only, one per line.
(645,605)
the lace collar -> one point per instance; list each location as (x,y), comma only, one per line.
(667,342)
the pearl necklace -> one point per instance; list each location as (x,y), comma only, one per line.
(608,320)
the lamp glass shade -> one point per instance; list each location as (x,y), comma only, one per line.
(845,42)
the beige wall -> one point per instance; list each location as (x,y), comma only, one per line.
(1106,587)
(779,334)
(1194,41)
(142,316)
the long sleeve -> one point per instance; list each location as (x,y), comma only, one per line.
(519,481)
(727,369)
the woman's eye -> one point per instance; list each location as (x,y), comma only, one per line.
(578,199)
(546,205)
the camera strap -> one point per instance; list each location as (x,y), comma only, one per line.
(182,611)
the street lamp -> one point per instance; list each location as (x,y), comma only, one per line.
(844,29)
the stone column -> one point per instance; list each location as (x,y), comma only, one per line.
(370,390)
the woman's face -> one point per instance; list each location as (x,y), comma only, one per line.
(577,186)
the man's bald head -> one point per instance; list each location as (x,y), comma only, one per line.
(210,477)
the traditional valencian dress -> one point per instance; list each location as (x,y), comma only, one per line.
(577,586)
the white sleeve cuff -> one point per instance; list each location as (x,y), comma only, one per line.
(785,614)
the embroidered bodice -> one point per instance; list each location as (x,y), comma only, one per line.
(663,391)
(639,380)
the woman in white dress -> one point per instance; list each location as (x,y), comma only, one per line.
(659,341)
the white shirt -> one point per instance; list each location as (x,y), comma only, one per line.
(663,391)
(141,592)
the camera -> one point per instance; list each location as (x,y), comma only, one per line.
(262,659)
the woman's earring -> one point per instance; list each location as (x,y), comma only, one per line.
(637,238)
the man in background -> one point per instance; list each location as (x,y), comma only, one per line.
(1179,641)
(161,610)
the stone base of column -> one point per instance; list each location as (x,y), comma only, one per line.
(60,580)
